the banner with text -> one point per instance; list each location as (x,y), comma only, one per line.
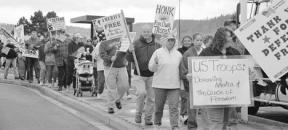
(19,34)
(216,82)
(164,19)
(110,27)
(54,24)
(30,53)
(266,38)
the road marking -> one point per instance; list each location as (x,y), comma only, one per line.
(83,117)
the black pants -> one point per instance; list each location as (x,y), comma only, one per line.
(95,78)
(70,70)
(32,63)
(62,75)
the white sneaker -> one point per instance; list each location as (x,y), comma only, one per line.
(41,84)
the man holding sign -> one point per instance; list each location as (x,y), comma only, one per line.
(144,48)
(115,62)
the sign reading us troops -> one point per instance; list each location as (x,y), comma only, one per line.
(112,27)
(215,81)
(54,24)
(164,19)
(266,38)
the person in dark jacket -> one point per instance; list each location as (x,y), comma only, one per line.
(42,61)
(144,47)
(115,72)
(11,55)
(73,46)
(192,51)
(186,44)
(221,46)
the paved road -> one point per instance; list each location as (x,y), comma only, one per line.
(23,109)
(274,113)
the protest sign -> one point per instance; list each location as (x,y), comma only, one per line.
(19,34)
(219,82)
(30,53)
(54,24)
(6,37)
(125,43)
(266,37)
(164,19)
(111,26)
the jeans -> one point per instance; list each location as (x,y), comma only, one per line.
(144,92)
(51,70)
(62,75)
(172,95)
(70,66)
(7,66)
(42,71)
(32,63)
(21,67)
(192,114)
(117,84)
(100,81)
(184,100)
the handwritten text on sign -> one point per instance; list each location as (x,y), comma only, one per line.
(217,81)
(266,38)
(57,23)
(164,19)
(113,26)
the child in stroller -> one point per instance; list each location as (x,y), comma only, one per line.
(84,74)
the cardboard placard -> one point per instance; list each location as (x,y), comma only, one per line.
(219,81)
(265,36)
(54,24)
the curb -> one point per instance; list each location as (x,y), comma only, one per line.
(96,113)
(82,106)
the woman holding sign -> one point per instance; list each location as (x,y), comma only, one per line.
(166,81)
(221,46)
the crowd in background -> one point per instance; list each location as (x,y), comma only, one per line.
(163,70)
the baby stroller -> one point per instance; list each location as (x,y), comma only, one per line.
(84,77)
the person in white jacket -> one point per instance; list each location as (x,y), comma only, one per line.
(166,81)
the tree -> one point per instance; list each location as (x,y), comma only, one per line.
(27,25)
(51,14)
(38,22)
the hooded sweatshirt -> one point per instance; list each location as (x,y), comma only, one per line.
(143,52)
(166,72)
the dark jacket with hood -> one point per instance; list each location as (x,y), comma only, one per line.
(143,51)
(12,53)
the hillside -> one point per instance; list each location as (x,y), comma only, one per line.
(70,29)
(189,27)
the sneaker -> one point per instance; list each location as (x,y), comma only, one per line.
(41,84)
(118,104)
(138,119)
(110,110)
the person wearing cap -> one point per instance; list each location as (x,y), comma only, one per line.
(144,48)
(115,72)
(165,63)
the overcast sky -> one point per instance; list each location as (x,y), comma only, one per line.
(141,10)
